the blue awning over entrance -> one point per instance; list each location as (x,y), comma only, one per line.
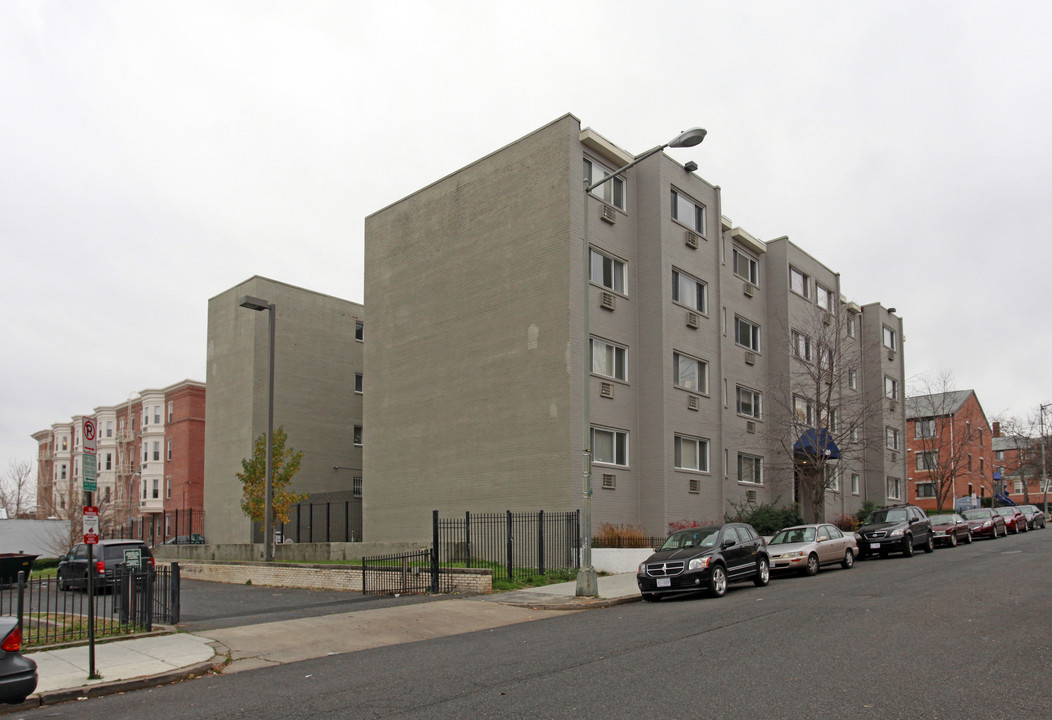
(817,443)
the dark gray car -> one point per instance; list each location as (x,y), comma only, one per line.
(107,558)
(18,674)
(901,528)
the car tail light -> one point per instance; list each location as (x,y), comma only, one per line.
(152,563)
(13,641)
(100,567)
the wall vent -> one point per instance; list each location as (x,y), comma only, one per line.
(750,358)
(894,457)
(607,301)
(750,496)
(891,406)
(891,355)
(748,288)
(609,481)
(606,390)
(750,426)
(692,240)
(693,320)
(693,402)
(695,485)
(827,319)
(609,214)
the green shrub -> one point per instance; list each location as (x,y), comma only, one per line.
(863,514)
(609,535)
(767,519)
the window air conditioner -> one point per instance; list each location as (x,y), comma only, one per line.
(747,288)
(692,240)
(750,426)
(693,320)
(750,358)
(609,214)
(606,301)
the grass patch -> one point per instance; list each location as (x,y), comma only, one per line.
(551,577)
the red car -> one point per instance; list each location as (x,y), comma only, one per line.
(984,522)
(950,529)
(1015,520)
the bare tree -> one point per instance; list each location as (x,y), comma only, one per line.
(1021,437)
(17,488)
(820,410)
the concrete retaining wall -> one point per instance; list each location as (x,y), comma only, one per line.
(283,552)
(616,561)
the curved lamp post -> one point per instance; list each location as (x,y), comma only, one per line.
(254,303)
(587,584)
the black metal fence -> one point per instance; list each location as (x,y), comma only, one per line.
(512,544)
(411,573)
(322,520)
(131,603)
(175,526)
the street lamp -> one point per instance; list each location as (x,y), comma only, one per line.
(587,583)
(1044,471)
(254,303)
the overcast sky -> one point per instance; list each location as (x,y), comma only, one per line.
(154,154)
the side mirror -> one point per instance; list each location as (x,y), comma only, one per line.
(727,542)
(822,538)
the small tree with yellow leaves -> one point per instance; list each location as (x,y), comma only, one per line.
(253,479)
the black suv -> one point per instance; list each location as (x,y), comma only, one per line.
(705,558)
(107,556)
(900,528)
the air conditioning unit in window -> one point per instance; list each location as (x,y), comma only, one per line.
(609,481)
(609,214)
(606,390)
(750,358)
(693,320)
(894,457)
(693,402)
(607,300)
(692,240)
(750,427)
(748,288)
(891,355)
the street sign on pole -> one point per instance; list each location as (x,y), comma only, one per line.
(90,436)
(91,525)
(91,473)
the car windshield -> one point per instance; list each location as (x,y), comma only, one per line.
(794,535)
(695,537)
(977,514)
(887,516)
(941,519)
(1004,511)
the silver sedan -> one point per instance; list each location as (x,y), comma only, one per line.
(806,548)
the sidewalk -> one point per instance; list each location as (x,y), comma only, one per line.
(148,661)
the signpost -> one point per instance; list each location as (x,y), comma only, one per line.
(90,458)
(91,529)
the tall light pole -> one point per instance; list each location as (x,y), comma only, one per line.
(587,584)
(254,303)
(1044,471)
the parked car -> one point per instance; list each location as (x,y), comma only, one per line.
(18,674)
(949,529)
(705,558)
(107,556)
(1035,517)
(195,539)
(900,528)
(984,522)
(1015,521)
(808,547)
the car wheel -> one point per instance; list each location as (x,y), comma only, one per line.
(849,560)
(929,547)
(1015,530)
(651,597)
(953,540)
(812,565)
(718,582)
(763,573)
(907,546)
(968,538)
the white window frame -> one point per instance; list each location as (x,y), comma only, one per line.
(612,192)
(894,487)
(927,459)
(694,211)
(752,266)
(801,403)
(799,283)
(856,481)
(613,359)
(852,379)
(359,384)
(617,270)
(925,429)
(824,297)
(891,388)
(888,338)
(925,494)
(357,436)
(681,361)
(851,322)
(892,438)
(755,400)
(756,462)
(359,330)
(753,331)
(803,348)
(619,446)
(700,448)
(684,286)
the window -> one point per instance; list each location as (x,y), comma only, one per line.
(168,487)
(747,333)
(804,411)
(924,428)
(169,451)
(107,494)
(692,453)
(109,462)
(969,462)
(358,435)
(357,486)
(891,388)
(156,489)
(1000,454)
(688,212)
(145,453)
(894,487)
(690,373)
(855,482)
(689,291)
(358,383)
(799,283)
(156,414)
(928,460)
(1018,487)
(802,346)
(750,469)
(62,472)
(824,298)
(610,447)
(889,338)
(109,428)
(612,192)
(832,478)
(746,267)
(831,420)
(65,442)
(891,436)
(607,271)
(359,330)
(156,450)
(925,490)
(749,402)
(852,322)
(609,360)
(852,379)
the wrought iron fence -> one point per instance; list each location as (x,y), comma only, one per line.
(186,526)
(411,573)
(131,602)
(322,520)
(513,544)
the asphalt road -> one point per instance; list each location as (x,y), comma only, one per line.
(961,633)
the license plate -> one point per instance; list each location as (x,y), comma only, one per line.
(874,545)
(664,582)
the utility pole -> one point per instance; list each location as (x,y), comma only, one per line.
(1044,471)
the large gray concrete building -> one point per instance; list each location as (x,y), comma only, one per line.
(480,278)
(318,395)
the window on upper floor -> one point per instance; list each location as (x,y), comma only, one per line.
(746,333)
(156,450)
(852,324)
(690,373)
(802,346)
(359,330)
(611,192)
(804,411)
(924,428)
(109,428)
(65,443)
(358,383)
(894,487)
(356,486)
(749,402)
(750,469)
(169,451)
(609,360)
(62,471)
(171,410)
(799,282)
(856,481)
(852,379)
(891,437)
(824,298)
(1000,454)
(890,340)
(928,460)
(609,447)
(688,212)
(691,453)
(746,267)
(607,271)
(358,435)
(156,414)
(925,489)
(891,388)
(689,291)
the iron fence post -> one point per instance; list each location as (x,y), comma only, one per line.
(511,552)
(467,536)
(173,594)
(540,542)
(21,602)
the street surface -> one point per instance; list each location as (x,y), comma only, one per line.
(962,633)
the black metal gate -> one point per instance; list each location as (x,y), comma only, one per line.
(411,573)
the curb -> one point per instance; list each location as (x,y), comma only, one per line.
(582,604)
